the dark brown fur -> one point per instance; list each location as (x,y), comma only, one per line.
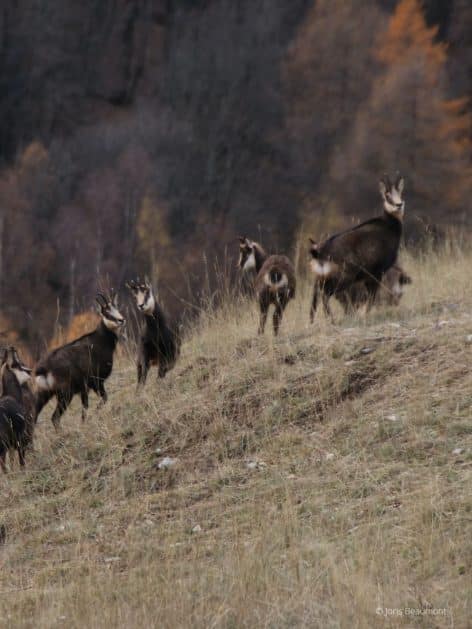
(77,367)
(361,254)
(13,428)
(357,294)
(22,393)
(271,272)
(159,343)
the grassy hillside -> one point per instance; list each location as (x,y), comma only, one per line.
(317,478)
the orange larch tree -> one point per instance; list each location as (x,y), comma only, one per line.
(410,124)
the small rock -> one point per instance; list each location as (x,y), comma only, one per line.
(166,463)
(158,451)
(255,465)
(348,363)
(329,456)
(148,522)
(60,528)
(457,451)
(392,418)
(441,324)
(197,529)
(395,325)
(468,338)
(291,477)
(111,559)
(367,350)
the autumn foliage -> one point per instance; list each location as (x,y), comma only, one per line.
(82,323)
(149,153)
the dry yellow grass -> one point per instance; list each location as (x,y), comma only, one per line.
(319,477)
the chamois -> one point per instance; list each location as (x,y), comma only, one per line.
(158,343)
(13,424)
(362,253)
(390,291)
(275,281)
(16,383)
(81,365)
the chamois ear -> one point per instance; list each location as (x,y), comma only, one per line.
(5,356)
(147,282)
(313,242)
(383,187)
(242,241)
(400,184)
(9,353)
(131,285)
(114,298)
(101,301)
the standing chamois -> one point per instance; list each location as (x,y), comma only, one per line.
(16,383)
(15,428)
(81,365)
(360,254)
(158,343)
(275,281)
(390,292)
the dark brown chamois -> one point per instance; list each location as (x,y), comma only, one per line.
(390,292)
(16,383)
(363,253)
(275,281)
(159,343)
(14,428)
(81,365)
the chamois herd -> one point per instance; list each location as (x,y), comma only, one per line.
(357,266)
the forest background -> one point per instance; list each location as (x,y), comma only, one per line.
(143,137)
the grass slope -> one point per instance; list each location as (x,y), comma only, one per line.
(318,478)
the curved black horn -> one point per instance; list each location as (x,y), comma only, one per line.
(101,300)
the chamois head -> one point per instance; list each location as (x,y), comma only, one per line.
(143,294)
(108,310)
(392,195)
(247,255)
(313,248)
(12,362)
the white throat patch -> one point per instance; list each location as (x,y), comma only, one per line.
(45,383)
(110,324)
(250,262)
(117,321)
(394,204)
(146,306)
(21,376)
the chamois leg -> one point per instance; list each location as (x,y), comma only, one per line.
(21,453)
(277,317)
(85,403)
(3,461)
(29,431)
(325,298)
(143,368)
(102,393)
(42,399)
(63,401)
(163,369)
(372,288)
(314,302)
(264,306)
